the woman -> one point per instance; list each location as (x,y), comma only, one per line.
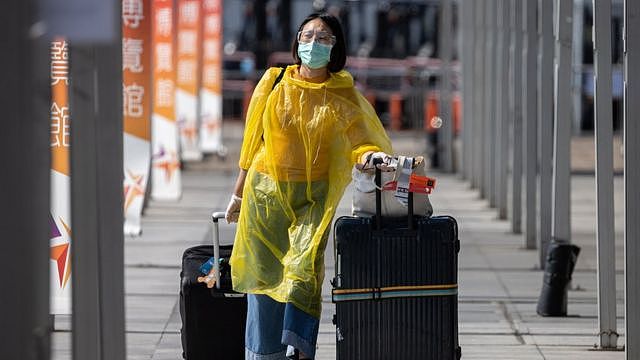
(301,140)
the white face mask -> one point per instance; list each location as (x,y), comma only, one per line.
(314,54)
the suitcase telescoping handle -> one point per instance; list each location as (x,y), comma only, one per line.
(216,244)
(378,180)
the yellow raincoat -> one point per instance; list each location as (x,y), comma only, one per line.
(300,143)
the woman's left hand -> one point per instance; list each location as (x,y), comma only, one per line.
(210,279)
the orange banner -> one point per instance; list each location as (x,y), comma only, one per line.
(60,215)
(60,123)
(136,104)
(211,89)
(212,46)
(188,45)
(163,60)
(165,172)
(136,72)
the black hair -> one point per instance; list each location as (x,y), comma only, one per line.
(338,56)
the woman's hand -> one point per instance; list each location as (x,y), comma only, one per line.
(209,280)
(369,158)
(233,209)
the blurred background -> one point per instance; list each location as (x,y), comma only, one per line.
(394,56)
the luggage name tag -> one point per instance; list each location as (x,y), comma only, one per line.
(421,184)
(417,184)
(403,175)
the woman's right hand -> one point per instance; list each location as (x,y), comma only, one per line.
(233,209)
(369,158)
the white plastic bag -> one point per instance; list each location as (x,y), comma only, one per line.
(364,196)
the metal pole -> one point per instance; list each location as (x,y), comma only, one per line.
(505,115)
(545,124)
(96,199)
(446,42)
(605,230)
(478,99)
(516,160)
(561,226)
(632,178)
(489,100)
(530,136)
(24,208)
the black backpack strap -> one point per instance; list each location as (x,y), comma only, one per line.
(282,70)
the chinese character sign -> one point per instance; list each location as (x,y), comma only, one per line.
(136,104)
(60,106)
(188,74)
(136,67)
(165,171)
(211,90)
(60,215)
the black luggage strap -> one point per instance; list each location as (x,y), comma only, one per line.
(340,295)
(282,70)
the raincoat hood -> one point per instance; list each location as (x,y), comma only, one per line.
(341,79)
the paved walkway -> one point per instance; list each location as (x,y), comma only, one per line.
(499,280)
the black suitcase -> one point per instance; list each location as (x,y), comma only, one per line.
(395,288)
(213,320)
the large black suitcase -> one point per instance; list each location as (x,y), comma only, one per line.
(213,320)
(395,288)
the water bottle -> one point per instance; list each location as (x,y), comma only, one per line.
(205,268)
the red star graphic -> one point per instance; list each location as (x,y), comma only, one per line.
(170,164)
(133,187)
(209,125)
(59,254)
(190,132)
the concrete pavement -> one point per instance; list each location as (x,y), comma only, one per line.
(499,280)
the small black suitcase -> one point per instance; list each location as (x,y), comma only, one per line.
(213,320)
(395,288)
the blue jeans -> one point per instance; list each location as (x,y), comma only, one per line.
(272,326)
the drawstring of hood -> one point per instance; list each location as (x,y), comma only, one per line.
(321,126)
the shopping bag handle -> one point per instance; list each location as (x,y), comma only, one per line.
(378,182)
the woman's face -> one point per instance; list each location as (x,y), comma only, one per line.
(316,30)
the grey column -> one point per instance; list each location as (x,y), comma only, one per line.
(489,100)
(446,42)
(502,132)
(24,194)
(97,204)
(516,116)
(468,27)
(545,124)
(605,231)
(499,99)
(632,178)
(561,225)
(577,53)
(478,81)
(530,136)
